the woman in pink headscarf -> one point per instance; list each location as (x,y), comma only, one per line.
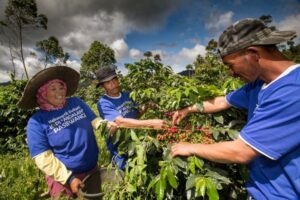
(60,134)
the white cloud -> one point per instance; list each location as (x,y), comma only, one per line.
(178,61)
(219,22)
(191,54)
(103,27)
(186,56)
(135,54)
(74,64)
(120,47)
(290,23)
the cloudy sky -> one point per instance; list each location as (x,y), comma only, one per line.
(178,30)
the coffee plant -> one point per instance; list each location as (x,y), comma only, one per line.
(151,172)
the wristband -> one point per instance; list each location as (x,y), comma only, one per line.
(70,179)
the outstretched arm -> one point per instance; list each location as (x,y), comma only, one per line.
(134,123)
(209,106)
(236,151)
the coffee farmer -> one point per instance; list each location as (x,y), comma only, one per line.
(60,134)
(116,106)
(270,141)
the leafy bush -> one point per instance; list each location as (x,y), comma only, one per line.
(151,172)
(20,178)
(13,120)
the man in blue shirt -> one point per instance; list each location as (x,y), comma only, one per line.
(118,107)
(270,141)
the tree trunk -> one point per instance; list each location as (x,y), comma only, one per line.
(21,51)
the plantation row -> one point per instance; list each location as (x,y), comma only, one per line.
(151,173)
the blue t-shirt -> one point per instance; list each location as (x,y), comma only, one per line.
(68,133)
(110,108)
(246,97)
(273,130)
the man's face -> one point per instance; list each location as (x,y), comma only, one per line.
(112,87)
(242,65)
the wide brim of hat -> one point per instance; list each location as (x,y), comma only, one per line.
(107,79)
(66,74)
(276,37)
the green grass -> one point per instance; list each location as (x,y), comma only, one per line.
(21,179)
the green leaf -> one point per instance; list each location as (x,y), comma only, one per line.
(217,176)
(190,182)
(134,136)
(171,178)
(130,188)
(211,190)
(233,134)
(131,148)
(160,188)
(116,136)
(199,163)
(219,119)
(152,183)
(179,162)
(215,133)
(200,187)
(192,165)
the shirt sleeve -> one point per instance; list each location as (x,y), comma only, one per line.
(88,111)
(274,129)
(36,137)
(52,166)
(107,110)
(239,98)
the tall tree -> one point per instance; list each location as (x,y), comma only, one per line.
(157,58)
(20,15)
(51,51)
(148,54)
(198,64)
(98,55)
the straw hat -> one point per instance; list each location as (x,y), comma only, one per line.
(66,74)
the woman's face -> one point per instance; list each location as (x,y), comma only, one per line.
(56,94)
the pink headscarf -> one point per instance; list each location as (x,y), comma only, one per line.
(41,96)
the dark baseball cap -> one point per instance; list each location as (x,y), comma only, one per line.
(249,32)
(106,73)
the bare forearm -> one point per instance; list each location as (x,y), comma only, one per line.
(210,106)
(132,123)
(224,152)
(215,105)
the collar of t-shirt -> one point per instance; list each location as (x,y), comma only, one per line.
(118,97)
(286,72)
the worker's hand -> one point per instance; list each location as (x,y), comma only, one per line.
(112,125)
(179,115)
(157,123)
(183,149)
(75,184)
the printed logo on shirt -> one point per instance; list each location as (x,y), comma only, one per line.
(125,108)
(66,119)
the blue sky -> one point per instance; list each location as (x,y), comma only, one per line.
(178,30)
(196,22)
